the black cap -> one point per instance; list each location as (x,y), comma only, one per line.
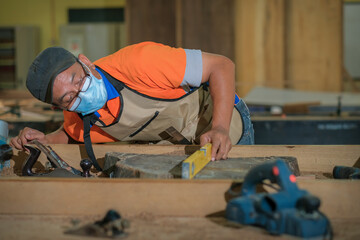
(44,69)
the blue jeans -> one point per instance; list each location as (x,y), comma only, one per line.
(247,137)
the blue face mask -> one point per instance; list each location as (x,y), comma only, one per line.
(94,97)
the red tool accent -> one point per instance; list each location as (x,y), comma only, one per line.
(275,171)
(292,178)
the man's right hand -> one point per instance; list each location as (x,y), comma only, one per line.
(25,136)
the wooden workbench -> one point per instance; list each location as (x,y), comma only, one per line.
(35,208)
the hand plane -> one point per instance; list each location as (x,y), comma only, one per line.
(61,168)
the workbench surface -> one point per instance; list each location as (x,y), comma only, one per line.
(147,226)
(43,208)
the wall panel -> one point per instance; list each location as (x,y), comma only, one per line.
(209,25)
(314,45)
(259,44)
(151,20)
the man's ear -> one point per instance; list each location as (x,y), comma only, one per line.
(86,61)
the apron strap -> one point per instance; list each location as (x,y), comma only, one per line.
(87,141)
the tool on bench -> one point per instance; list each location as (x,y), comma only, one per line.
(289,211)
(61,168)
(5,152)
(342,172)
(5,156)
(197,161)
(111,226)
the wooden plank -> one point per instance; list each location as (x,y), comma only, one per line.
(161,166)
(298,108)
(144,226)
(156,197)
(314,54)
(311,158)
(259,37)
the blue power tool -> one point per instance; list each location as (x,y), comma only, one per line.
(290,210)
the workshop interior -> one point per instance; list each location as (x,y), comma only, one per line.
(297,69)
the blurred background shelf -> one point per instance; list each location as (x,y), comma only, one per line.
(18,47)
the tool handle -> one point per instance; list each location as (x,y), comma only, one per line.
(30,161)
(276,171)
(343,172)
(86,164)
(5,152)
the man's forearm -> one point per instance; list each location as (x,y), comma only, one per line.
(222,89)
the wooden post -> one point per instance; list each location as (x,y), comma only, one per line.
(259,48)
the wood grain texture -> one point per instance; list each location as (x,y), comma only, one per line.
(259,44)
(157,197)
(208,25)
(151,20)
(310,158)
(147,226)
(314,54)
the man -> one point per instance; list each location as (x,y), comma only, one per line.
(137,94)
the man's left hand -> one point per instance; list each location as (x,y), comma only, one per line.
(220,140)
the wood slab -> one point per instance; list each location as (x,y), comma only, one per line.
(127,165)
(311,158)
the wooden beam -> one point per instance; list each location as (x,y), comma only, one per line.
(314,51)
(157,197)
(319,158)
(259,48)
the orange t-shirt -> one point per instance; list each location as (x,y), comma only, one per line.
(150,68)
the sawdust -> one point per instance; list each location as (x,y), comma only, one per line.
(147,226)
(318,174)
(8,172)
(146,216)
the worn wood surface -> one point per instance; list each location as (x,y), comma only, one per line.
(33,208)
(311,158)
(259,44)
(158,209)
(313,45)
(147,226)
(158,197)
(129,165)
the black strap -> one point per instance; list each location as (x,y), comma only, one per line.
(87,141)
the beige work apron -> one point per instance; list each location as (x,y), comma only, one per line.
(144,118)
